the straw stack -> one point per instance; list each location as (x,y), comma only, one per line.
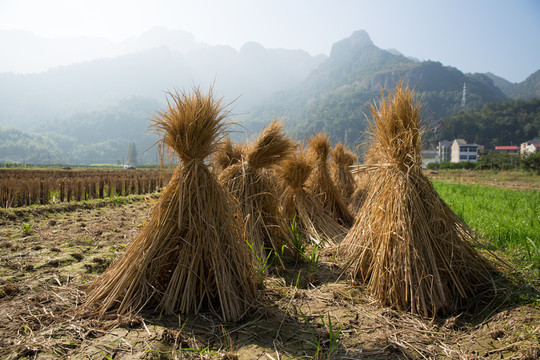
(321,182)
(248,181)
(341,171)
(191,255)
(408,247)
(313,221)
(227,154)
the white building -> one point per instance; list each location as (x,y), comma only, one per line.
(531,146)
(461,151)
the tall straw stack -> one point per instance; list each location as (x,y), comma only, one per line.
(313,221)
(341,170)
(191,255)
(250,184)
(408,247)
(321,182)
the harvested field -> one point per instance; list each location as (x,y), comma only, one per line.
(505,179)
(306,310)
(22,187)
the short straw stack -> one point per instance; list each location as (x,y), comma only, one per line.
(321,182)
(341,170)
(313,221)
(407,246)
(191,255)
(227,154)
(266,228)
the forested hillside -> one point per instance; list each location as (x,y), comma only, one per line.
(86,137)
(507,123)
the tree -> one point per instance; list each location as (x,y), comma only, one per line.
(132,154)
(531,162)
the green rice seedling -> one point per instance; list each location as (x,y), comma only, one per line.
(297,240)
(333,335)
(506,219)
(27,228)
(313,259)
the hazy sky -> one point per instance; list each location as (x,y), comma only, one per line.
(499,36)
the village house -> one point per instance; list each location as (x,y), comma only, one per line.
(462,151)
(429,156)
(510,149)
(531,146)
(444,150)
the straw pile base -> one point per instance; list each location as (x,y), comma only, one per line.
(189,257)
(410,249)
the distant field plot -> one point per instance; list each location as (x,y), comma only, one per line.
(508,219)
(21,187)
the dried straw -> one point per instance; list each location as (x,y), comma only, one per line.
(191,255)
(227,154)
(249,182)
(321,182)
(408,247)
(314,222)
(341,171)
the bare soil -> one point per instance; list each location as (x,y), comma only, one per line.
(506,179)
(49,253)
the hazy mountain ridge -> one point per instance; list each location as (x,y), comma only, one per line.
(81,115)
(528,88)
(334,97)
(26,53)
(248,76)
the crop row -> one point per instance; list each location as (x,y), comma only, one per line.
(29,187)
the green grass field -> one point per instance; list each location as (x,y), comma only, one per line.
(507,220)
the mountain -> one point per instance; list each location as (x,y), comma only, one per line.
(528,88)
(245,77)
(89,112)
(334,97)
(24,52)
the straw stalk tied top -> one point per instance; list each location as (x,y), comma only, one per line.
(192,125)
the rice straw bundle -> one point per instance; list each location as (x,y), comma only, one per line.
(362,181)
(408,247)
(249,183)
(313,221)
(341,170)
(321,182)
(191,254)
(227,154)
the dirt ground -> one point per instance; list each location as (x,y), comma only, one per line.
(506,179)
(49,253)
